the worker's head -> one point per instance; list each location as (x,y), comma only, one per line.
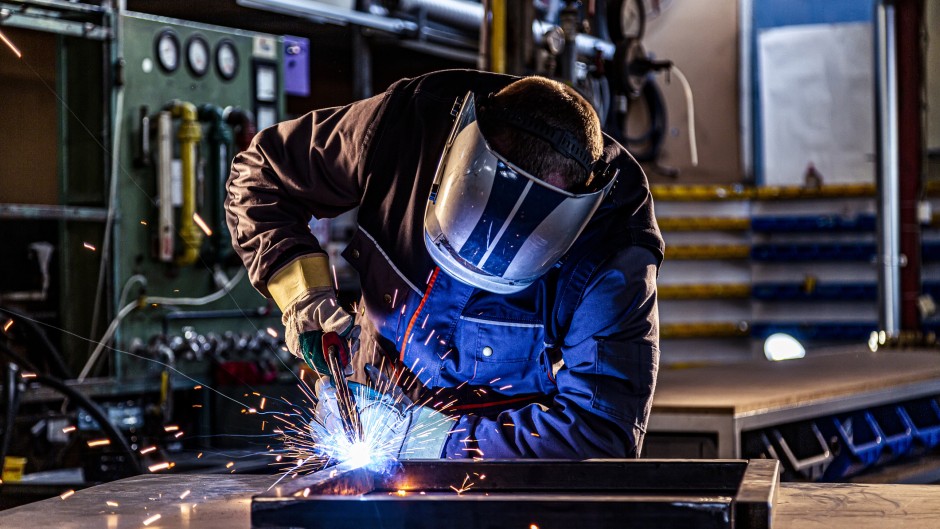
(515,189)
(560,110)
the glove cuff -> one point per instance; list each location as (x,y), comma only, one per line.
(308,272)
(426,436)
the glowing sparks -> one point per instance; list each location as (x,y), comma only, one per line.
(112,504)
(171,428)
(400,492)
(178,435)
(27,374)
(7,325)
(271,332)
(183,495)
(202,224)
(145,451)
(230,464)
(66,494)
(263,401)
(89,246)
(335,282)
(152,519)
(533,526)
(99,442)
(158,467)
(10,44)
(198,386)
(68,429)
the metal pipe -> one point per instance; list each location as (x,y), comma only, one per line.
(460,13)
(888,179)
(189,134)
(498,37)
(165,222)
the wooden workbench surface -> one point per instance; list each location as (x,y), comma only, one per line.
(223,502)
(761,385)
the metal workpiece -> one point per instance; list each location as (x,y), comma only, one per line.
(524,493)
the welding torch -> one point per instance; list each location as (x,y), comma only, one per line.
(336,355)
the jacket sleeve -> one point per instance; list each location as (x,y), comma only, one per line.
(292,171)
(605,388)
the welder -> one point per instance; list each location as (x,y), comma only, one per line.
(507,252)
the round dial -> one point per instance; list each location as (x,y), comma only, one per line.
(197,55)
(168,50)
(626,19)
(226,59)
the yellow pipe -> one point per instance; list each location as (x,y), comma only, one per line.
(498,37)
(189,136)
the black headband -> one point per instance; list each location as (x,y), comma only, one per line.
(561,140)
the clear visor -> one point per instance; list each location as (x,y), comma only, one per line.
(493,225)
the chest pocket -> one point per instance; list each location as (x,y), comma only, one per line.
(508,351)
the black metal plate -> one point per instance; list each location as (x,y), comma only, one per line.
(519,494)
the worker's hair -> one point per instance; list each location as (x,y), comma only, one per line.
(559,107)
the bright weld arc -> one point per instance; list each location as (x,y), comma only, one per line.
(9,43)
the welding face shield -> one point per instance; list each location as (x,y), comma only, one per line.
(494,226)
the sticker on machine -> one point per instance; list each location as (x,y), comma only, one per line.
(264,48)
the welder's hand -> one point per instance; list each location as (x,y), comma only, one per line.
(304,292)
(421,432)
(392,425)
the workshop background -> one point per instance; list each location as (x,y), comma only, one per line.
(793,147)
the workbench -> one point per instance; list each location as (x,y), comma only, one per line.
(727,400)
(223,502)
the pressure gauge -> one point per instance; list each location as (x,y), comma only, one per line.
(167,47)
(626,19)
(197,55)
(226,59)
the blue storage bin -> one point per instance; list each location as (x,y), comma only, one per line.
(856,443)
(924,417)
(897,430)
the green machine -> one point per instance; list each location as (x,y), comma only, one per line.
(193,95)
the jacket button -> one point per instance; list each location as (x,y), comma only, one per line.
(355,254)
(487,351)
(388,299)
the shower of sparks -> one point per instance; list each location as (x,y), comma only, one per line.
(7,325)
(158,467)
(147,450)
(11,45)
(202,224)
(112,504)
(183,495)
(99,442)
(171,428)
(395,298)
(68,429)
(335,282)
(152,519)
(464,487)
(271,332)
(309,444)
(27,374)
(66,494)
(89,246)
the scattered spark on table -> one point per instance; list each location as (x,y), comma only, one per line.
(159,466)
(183,495)
(112,504)
(152,519)
(66,494)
